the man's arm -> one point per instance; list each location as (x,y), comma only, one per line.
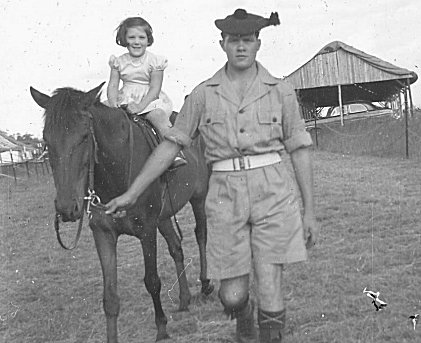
(303,169)
(157,163)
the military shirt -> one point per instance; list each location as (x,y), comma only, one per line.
(267,119)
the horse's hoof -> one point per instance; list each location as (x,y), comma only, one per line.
(160,337)
(207,288)
(184,308)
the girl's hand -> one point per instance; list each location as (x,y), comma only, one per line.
(134,108)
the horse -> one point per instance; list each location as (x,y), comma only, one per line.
(91,144)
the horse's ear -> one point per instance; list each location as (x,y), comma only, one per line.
(92,95)
(40,98)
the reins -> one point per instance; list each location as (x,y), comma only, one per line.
(92,199)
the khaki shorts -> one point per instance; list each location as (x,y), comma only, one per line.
(252,214)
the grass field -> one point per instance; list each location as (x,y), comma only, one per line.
(369,209)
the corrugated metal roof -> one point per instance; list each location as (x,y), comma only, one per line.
(361,76)
(340,64)
(6,144)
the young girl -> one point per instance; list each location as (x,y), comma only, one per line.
(142,73)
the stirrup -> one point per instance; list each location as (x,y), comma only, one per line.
(177,163)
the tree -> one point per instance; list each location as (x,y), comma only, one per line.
(27,138)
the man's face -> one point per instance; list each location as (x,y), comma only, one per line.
(241,50)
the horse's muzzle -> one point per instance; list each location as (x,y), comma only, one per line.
(69,211)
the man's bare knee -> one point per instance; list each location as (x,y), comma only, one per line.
(234,292)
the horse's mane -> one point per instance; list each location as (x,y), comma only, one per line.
(63,109)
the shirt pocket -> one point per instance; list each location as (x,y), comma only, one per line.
(270,123)
(213,129)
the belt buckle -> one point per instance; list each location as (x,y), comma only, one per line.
(241,163)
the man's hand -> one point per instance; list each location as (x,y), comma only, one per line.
(311,230)
(117,206)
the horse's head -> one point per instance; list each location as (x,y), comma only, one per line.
(67,134)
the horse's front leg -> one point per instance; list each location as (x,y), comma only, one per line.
(176,251)
(152,280)
(106,242)
(201,230)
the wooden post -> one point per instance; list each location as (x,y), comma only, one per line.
(411,104)
(47,166)
(400,104)
(36,168)
(42,166)
(406,122)
(13,167)
(1,164)
(340,104)
(27,169)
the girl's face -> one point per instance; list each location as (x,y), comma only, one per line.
(137,41)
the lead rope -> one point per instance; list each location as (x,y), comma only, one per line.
(57,228)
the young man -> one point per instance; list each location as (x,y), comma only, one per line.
(247,118)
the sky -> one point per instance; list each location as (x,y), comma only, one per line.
(49,44)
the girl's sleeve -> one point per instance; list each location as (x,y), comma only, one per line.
(158,63)
(114,63)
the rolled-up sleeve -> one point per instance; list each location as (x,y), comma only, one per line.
(186,125)
(295,135)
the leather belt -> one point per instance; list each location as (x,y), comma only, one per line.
(247,162)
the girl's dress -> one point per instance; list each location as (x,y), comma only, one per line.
(136,79)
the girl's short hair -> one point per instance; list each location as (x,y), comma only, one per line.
(120,38)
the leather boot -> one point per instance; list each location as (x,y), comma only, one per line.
(271,326)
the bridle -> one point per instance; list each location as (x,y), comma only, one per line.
(91,199)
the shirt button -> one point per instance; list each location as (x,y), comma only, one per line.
(242,130)
(208,120)
(274,119)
